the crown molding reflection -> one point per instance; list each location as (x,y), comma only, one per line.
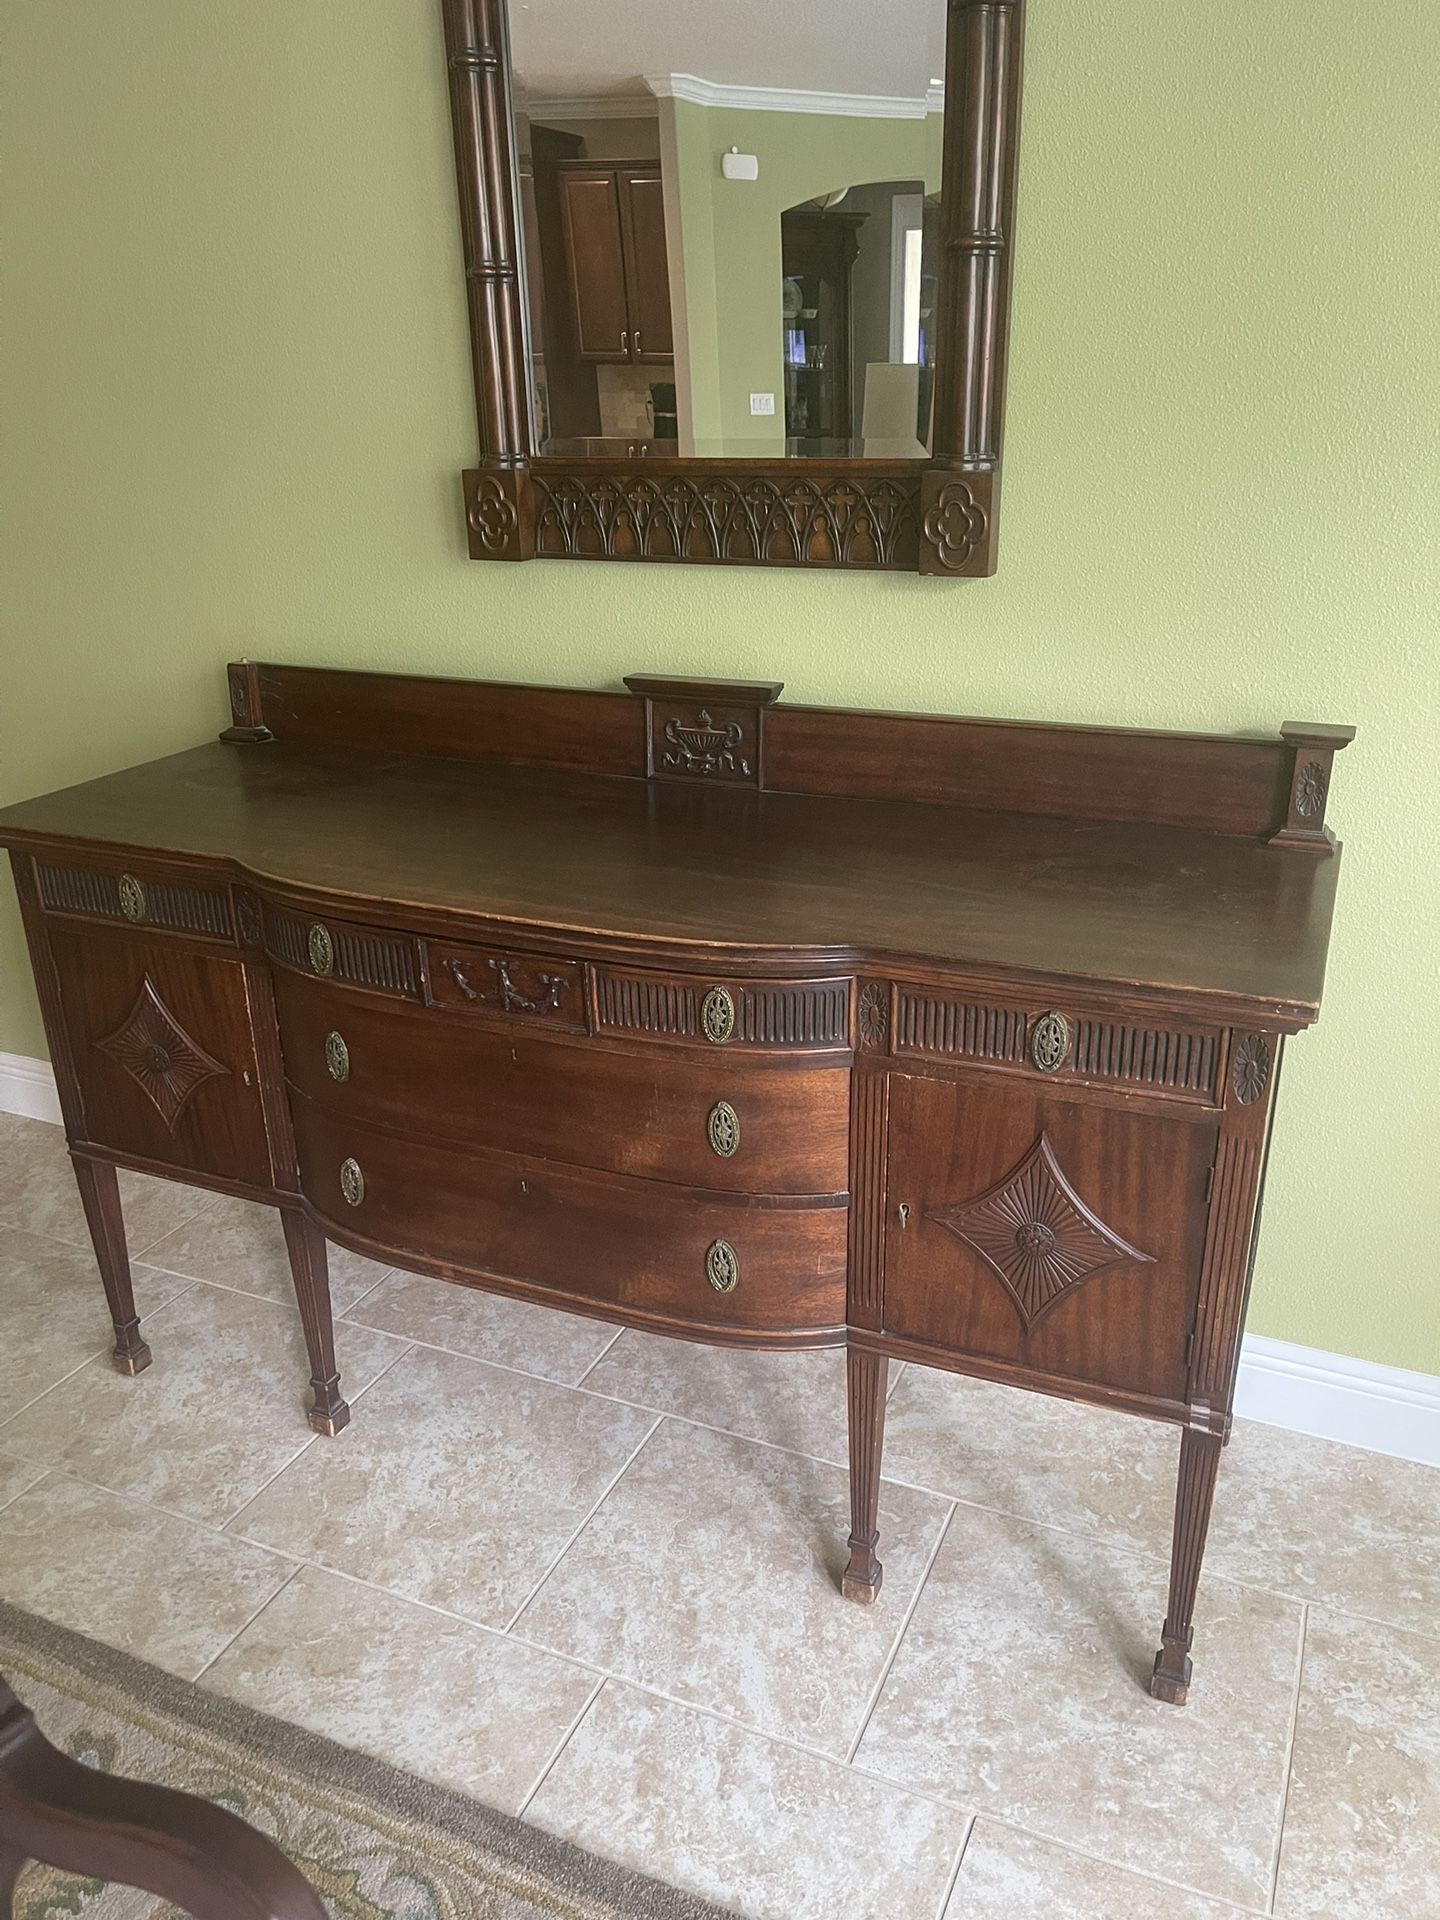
(855,106)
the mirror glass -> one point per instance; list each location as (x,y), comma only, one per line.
(731,224)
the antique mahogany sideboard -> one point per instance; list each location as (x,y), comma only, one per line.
(950,1041)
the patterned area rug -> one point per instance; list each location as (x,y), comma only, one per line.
(376,1844)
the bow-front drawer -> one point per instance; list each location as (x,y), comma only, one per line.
(653,1252)
(737,1125)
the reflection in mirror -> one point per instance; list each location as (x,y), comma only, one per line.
(731,224)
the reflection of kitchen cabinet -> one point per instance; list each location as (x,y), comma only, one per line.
(619,273)
(818,252)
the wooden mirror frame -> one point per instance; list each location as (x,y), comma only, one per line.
(935,516)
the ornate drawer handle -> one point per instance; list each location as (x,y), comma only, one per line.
(1049,1042)
(133,903)
(352,1182)
(722,1266)
(337,1057)
(717,1016)
(722,1129)
(321,948)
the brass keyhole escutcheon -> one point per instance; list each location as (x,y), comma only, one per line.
(337,1057)
(321,948)
(352,1182)
(722,1266)
(722,1128)
(133,903)
(717,1016)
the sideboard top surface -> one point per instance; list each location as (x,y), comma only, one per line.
(1162,909)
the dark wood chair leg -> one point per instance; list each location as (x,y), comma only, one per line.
(11,1864)
(310,1270)
(866,1377)
(182,1849)
(100,1196)
(1199,1459)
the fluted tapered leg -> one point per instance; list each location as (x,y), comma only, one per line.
(866,1378)
(310,1270)
(100,1196)
(1199,1459)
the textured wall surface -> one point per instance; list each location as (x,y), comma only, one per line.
(233,403)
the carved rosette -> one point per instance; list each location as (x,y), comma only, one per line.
(160,1057)
(1036,1234)
(954,527)
(872,1017)
(247,919)
(1311,785)
(1250,1070)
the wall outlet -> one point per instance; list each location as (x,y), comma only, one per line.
(762,403)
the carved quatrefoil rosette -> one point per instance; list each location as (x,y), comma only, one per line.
(954,525)
(493,517)
(1036,1234)
(160,1057)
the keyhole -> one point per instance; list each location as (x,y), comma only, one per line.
(903,1211)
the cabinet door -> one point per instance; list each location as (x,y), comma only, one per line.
(647,267)
(1061,1236)
(595,262)
(164,1052)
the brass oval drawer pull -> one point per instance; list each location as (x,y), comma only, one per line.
(321,948)
(722,1129)
(1049,1042)
(352,1182)
(717,1016)
(133,903)
(337,1057)
(722,1266)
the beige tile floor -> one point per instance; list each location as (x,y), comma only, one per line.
(593,1580)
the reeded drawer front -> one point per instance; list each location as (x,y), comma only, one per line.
(727,1264)
(735,1125)
(774,1015)
(143,899)
(342,951)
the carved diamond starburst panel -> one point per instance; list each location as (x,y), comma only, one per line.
(159,1056)
(1036,1234)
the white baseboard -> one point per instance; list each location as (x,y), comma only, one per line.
(28,1087)
(1386,1409)
(1356,1401)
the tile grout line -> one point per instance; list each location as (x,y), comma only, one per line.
(610,1487)
(1116,1866)
(888,1664)
(300,1453)
(954,1880)
(607,1349)
(569,1735)
(11,1418)
(264,1606)
(1289,1761)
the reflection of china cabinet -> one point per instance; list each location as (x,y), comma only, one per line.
(818,252)
(617,266)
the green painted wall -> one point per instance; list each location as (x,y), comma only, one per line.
(732,240)
(233,402)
